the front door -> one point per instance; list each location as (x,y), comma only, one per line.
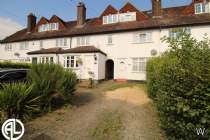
(109,69)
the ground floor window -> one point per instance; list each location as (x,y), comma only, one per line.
(139,64)
(71,61)
(47,60)
(34,60)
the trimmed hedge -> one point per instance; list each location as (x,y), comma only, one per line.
(14,65)
(179,82)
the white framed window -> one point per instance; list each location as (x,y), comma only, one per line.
(139,64)
(54,26)
(61,42)
(47,59)
(41,44)
(145,37)
(48,27)
(24,45)
(202,8)
(109,39)
(71,61)
(83,41)
(110,19)
(129,16)
(8,47)
(175,32)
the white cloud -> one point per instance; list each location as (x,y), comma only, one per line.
(8,27)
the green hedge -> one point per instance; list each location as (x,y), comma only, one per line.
(179,82)
(14,65)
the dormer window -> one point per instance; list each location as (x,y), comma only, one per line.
(201,8)
(110,19)
(48,27)
(123,17)
(129,16)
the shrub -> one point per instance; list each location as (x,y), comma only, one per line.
(14,65)
(49,80)
(67,83)
(18,101)
(180,85)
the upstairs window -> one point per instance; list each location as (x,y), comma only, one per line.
(41,44)
(8,47)
(143,37)
(201,8)
(110,19)
(130,16)
(24,45)
(48,27)
(109,40)
(176,32)
(83,41)
(61,42)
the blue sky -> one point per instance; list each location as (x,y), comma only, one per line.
(17,10)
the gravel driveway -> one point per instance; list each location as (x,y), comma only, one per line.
(136,116)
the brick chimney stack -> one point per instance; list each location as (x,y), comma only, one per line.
(31,22)
(156,8)
(81,14)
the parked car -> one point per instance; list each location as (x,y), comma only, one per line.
(13,75)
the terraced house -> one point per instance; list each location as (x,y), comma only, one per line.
(114,45)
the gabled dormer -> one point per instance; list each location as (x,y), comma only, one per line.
(197,7)
(54,24)
(201,6)
(130,13)
(126,14)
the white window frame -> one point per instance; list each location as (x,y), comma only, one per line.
(137,38)
(8,47)
(139,64)
(110,39)
(71,61)
(83,41)
(46,59)
(61,42)
(175,34)
(24,45)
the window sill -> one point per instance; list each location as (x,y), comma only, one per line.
(142,43)
(139,72)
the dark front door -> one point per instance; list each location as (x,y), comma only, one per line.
(109,69)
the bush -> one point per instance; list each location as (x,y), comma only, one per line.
(14,65)
(67,83)
(179,81)
(17,100)
(49,80)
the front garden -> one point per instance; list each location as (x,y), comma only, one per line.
(48,87)
(179,83)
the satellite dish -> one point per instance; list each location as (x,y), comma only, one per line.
(153,52)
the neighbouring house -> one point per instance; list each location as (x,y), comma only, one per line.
(114,45)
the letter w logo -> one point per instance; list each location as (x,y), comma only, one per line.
(200,131)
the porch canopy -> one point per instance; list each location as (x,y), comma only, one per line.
(83,49)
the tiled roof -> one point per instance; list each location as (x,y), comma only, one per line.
(172,17)
(83,49)
(46,51)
